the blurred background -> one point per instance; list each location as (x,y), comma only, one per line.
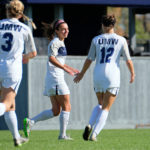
(84,20)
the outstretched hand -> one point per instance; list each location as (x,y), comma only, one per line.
(78,77)
(71,70)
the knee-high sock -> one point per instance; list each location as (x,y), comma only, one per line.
(96,111)
(47,114)
(64,119)
(2,109)
(100,122)
(12,123)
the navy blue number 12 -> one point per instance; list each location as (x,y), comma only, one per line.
(106,54)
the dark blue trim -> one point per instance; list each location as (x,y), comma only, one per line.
(56,89)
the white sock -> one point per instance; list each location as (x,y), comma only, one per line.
(96,111)
(100,122)
(64,119)
(12,123)
(2,109)
(47,114)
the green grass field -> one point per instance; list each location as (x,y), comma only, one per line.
(138,139)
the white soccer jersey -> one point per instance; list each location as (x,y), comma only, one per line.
(14,38)
(106,49)
(54,81)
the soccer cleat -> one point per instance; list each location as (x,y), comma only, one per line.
(92,138)
(26,126)
(20,141)
(87,132)
(64,138)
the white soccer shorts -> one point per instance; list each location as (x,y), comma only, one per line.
(56,89)
(10,83)
(113,91)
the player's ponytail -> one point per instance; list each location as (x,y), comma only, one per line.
(29,20)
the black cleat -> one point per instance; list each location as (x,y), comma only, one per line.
(87,132)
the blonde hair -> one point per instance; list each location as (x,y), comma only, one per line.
(15,9)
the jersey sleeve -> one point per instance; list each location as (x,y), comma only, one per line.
(126,53)
(92,51)
(30,44)
(52,49)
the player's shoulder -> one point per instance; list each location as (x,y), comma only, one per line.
(56,42)
(3,20)
(94,40)
(121,38)
(25,27)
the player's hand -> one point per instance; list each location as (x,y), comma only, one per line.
(25,59)
(69,71)
(78,77)
(75,71)
(132,78)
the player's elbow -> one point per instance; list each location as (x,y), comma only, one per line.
(34,53)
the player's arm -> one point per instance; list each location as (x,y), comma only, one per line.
(87,63)
(55,62)
(29,47)
(131,69)
(129,61)
(28,56)
(80,75)
(72,69)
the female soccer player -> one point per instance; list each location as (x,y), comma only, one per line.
(55,85)
(106,49)
(14,35)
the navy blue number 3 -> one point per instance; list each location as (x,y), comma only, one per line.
(106,55)
(8,42)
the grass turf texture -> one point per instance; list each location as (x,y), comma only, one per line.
(137,139)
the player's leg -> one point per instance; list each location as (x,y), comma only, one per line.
(50,113)
(64,101)
(12,123)
(44,115)
(8,98)
(97,109)
(108,100)
(95,113)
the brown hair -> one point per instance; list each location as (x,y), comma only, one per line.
(108,20)
(49,29)
(15,8)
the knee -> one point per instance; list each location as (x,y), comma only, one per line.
(10,107)
(56,112)
(67,107)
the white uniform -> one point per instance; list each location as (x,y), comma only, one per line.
(14,38)
(54,81)
(106,49)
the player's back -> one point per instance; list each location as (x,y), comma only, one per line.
(13,35)
(108,48)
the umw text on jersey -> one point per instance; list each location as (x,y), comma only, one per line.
(10,27)
(108,41)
